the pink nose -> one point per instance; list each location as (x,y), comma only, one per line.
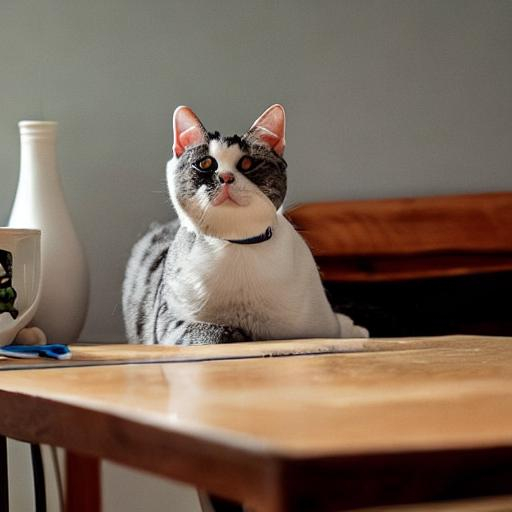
(226,177)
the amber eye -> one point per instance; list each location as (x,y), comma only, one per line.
(206,164)
(245,164)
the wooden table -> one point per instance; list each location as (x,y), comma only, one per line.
(297,425)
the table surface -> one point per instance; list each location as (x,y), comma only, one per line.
(271,423)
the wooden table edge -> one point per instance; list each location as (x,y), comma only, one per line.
(238,351)
(264,479)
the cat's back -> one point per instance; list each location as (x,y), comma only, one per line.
(144,273)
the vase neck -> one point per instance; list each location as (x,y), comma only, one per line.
(38,130)
(37,140)
(39,197)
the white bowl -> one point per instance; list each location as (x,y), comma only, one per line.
(20,279)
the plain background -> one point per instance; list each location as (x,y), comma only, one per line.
(384,99)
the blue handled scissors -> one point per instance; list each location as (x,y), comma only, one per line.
(53,351)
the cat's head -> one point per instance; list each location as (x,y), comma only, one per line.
(228,187)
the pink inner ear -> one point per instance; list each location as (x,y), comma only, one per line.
(270,128)
(188,130)
(270,138)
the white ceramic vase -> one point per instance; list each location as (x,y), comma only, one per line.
(40,204)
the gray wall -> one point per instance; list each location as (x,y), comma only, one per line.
(384,98)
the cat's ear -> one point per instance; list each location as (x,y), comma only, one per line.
(269,128)
(188,130)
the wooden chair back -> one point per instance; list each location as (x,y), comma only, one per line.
(414,267)
(395,239)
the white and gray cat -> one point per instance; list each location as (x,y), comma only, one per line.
(231,268)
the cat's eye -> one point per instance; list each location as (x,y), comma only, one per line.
(206,164)
(245,164)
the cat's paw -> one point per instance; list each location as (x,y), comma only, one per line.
(349,329)
(236,335)
(202,333)
(30,336)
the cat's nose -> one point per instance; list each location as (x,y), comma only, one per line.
(226,177)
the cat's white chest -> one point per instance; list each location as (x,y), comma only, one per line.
(272,289)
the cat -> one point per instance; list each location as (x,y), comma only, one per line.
(231,268)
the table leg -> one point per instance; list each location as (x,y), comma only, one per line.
(39,482)
(211,503)
(83,484)
(4,476)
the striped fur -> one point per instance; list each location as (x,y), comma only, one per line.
(144,278)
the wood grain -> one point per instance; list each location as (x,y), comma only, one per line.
(113,354)
(423,420)
(408,238)
(410,375)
